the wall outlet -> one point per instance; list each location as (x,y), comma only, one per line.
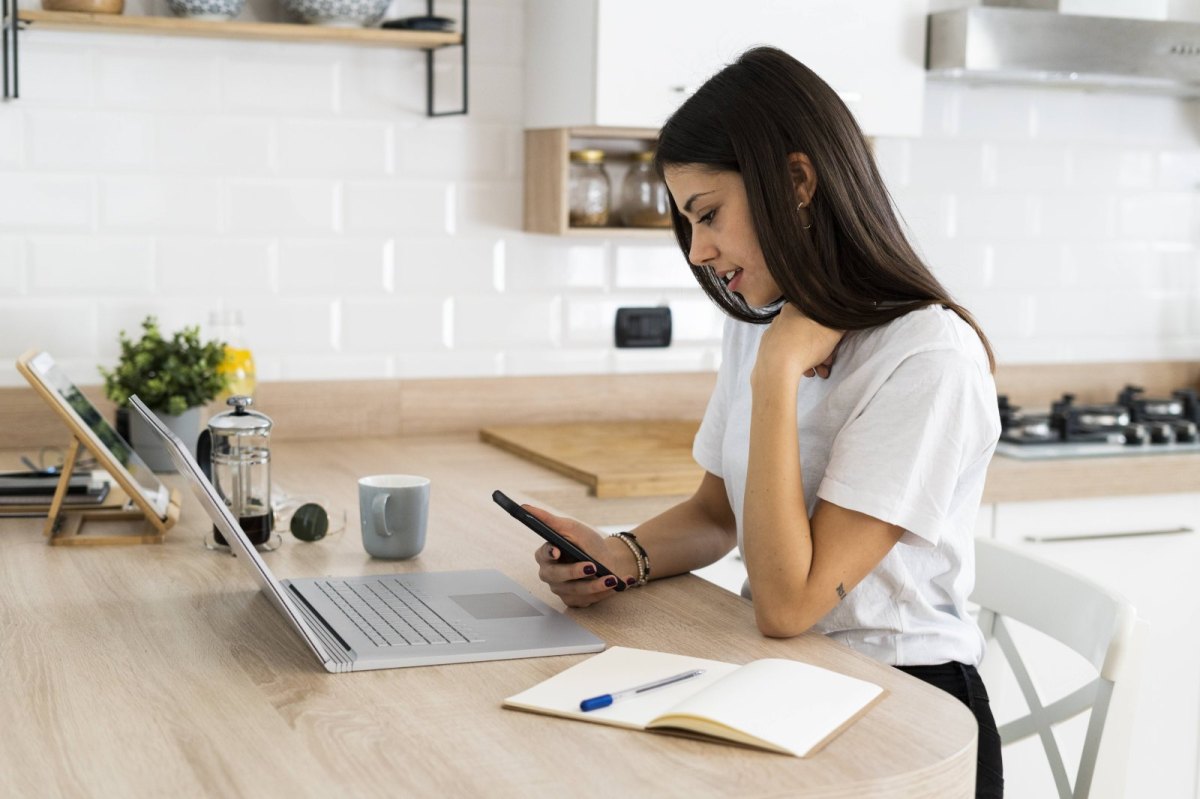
(643,327)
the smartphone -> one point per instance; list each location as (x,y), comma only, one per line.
(570,553)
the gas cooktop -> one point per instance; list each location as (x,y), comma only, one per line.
(1132,425)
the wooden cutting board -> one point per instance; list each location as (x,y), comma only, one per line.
(616,459)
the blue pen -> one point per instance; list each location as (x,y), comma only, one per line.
(604,700)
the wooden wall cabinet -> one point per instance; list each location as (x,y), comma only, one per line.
(547,176)
(630,63)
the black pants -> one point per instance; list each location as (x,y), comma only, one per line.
(964,683)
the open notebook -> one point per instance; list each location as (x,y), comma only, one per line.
(782,706)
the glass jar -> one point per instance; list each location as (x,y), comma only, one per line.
(590,189)
(644,200)
(241,472)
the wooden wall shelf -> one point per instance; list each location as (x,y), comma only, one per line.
(234,29)
(13,20)
(547,175)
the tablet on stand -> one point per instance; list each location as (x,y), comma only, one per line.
(148,498)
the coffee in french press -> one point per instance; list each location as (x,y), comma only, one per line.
(238,462)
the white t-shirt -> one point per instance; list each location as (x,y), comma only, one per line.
(902,430)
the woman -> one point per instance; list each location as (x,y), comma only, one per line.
(854,416)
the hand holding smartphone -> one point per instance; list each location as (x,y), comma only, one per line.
(571,553)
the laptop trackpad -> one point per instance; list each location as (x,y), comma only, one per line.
(495,606)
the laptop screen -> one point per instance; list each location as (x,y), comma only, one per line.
(225,521)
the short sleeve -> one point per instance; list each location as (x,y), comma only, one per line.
(707,447)
(901,458)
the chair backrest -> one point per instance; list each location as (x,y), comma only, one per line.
(1097,623)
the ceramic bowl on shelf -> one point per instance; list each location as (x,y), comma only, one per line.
(338,13)
(206,9)
(85,6)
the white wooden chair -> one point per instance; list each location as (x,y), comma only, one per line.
(1097,623)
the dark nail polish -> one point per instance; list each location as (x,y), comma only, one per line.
(589,569)
(611,582)
(630,581)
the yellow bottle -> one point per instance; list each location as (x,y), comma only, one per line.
(238,364)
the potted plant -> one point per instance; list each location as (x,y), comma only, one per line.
(174,377)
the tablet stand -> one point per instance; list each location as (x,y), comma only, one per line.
(64,524)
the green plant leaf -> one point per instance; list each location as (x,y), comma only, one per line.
(170,375)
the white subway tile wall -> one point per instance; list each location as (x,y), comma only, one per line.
(394,325)
(334,148)
(152,204)
(289,206)
(278,79)
(145,74)
(201,144)
(32,201)
(115,141)
(190,266)
(59,71)
(96,265)
(12,266)
(332,266)
(303,185)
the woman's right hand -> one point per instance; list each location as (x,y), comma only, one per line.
(576,584)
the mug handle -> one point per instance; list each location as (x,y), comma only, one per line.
(379,511)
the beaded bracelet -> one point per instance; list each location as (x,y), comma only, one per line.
(639,555)
(643,558)
(633,550)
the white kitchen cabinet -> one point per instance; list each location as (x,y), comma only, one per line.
(1158,573)
(630,63)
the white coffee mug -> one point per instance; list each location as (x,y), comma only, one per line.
(394,511)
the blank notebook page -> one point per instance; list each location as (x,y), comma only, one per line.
(785,702)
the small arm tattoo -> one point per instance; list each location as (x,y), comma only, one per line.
(841,589)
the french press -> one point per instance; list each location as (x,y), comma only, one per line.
(239,466)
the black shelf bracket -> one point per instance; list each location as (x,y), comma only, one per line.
(8,32)
(429,71)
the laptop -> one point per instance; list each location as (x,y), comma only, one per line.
(391,621)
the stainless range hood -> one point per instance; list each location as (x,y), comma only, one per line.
(995,43)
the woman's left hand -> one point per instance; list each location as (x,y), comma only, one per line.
(795,345)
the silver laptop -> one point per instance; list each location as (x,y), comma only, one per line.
(395,620)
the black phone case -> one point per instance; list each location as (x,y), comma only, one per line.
(570,552)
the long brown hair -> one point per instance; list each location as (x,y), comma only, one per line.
(853,269)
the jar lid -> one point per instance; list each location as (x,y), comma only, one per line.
(240,421)
(588,156)
(644,156)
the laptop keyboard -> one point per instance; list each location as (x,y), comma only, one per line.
(389,614)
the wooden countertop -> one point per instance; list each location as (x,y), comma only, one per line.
(335,410)
(651,458)
(159,669)
(1013,480)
